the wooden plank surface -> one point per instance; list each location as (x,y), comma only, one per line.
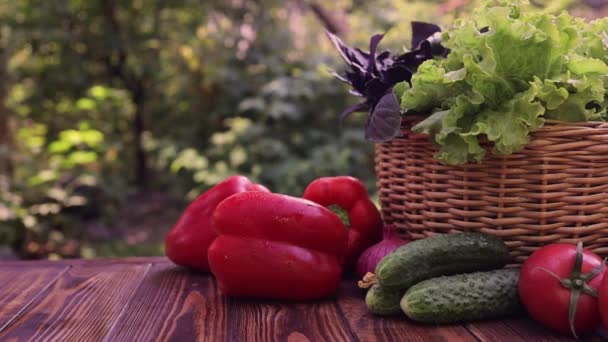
(532,331)
(143,299)
(173,304)
(19,286)
(82,305)
(513,330)
(252,320)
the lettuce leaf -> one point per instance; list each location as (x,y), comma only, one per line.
(510,125)
(506,73)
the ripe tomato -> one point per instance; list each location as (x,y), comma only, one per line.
(603,301)
(549,282)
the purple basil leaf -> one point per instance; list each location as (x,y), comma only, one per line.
(396,73)
(353,57)
(340,77)
(384,57)
(384,121)
(375,89)
(421,31)
(362,56)
(359,107)
(372,75)
(355,93)
(357,80)
(373,45)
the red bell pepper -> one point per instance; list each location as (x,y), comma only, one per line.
(348,197)
(189,239)
(276,246)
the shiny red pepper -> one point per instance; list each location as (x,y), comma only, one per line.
(348,197)
(189,239)
(276,246)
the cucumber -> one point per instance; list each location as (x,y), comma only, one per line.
(383,301)
(439,255)
(464,297)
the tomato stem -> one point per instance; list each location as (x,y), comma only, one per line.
(564,282)
(577,284)
(578,261)
(594,272)
(574,296)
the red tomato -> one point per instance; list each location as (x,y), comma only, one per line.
(548,300)
(604,301)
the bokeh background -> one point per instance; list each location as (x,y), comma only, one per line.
(115,114)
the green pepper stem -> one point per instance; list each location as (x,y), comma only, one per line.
(341,213)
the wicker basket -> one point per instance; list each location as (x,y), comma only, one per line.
(555,190)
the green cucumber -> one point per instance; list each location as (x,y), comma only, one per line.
(439,255)
(463,297)
(382,301)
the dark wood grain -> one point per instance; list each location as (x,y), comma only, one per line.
(19,286)
(495,330)
(81,305)
(144,299)
(518,330)
(367,327)
(530,330)
(173,304)
(252,320)
(192,308)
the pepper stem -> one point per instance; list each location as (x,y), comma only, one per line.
(368,281)
(342,214)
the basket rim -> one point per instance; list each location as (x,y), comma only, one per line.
(582,128)
(405,118)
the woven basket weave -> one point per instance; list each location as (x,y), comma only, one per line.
(555,190)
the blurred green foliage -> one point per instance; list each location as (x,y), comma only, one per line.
(104,99)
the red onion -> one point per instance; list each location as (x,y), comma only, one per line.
(371,257)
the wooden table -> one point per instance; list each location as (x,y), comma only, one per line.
(144,299)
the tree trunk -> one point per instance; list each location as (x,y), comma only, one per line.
(333,22)
(118,68)
(141,167)
(6,134)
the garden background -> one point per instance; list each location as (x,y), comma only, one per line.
(114,115)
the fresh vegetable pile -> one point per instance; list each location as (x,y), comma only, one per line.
(267,245)
(505,74)
(445,279)
(262,244)
(460,277)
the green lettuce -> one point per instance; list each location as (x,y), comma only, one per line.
(506,73)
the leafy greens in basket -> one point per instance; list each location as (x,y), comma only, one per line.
(506,73)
